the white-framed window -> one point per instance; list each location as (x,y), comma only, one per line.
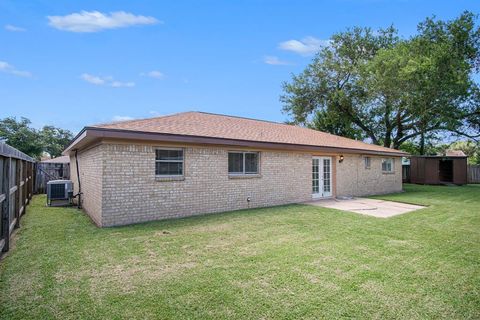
(168,162)
(368,162)
(243,163)
(388,164)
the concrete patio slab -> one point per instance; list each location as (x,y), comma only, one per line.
(370,207)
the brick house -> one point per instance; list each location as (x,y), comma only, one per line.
(195,163)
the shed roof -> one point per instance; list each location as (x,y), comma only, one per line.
(61,159)
(455,153)
(222,129)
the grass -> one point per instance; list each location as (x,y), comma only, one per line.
(285,262)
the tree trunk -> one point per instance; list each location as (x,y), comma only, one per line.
(422,142)
(388,132)
(388,139)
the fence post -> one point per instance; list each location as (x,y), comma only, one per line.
(18,199)
(27,182)
(30,181)
(24,187)
(34,178)
(34,174)
(6,204)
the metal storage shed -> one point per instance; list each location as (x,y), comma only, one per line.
(438,169)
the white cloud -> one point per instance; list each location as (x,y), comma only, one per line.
(122,118)
(306,46)
(118,84)
(273,60)
(153,74)
(106,81)
(92,79)
(94,21)
(8,68)
(12,28)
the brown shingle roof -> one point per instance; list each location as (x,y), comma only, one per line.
(201,124)
(455,153)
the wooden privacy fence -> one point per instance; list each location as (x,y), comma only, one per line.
(406,173)
(50,171)
(16,189)
(473,174)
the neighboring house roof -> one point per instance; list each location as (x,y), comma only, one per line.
(61,159)
(207,128)
(455,153)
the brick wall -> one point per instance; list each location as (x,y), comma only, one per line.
(119,184)
(353,179)
(131,193)
(90,163)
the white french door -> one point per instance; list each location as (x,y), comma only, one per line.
(321,177)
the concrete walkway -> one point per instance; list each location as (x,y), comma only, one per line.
(370,207)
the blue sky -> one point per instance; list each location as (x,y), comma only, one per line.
(74,63)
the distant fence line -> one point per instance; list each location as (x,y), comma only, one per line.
(47,171)
(17,172)
(473,174)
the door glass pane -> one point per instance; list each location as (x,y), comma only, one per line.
(315,176)
(326,175)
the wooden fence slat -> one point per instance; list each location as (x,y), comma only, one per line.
(18,199)
(14,197)
(5,212)
(473,173)
(47,171)
(24,187)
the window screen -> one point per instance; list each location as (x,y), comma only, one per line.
(235,163)
(169,162)
(387,164)
(367,162)
(243,162)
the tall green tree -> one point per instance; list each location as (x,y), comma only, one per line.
(54,140)
(20,135)
(443,97)
(374,85)
(470,148)
(329,95)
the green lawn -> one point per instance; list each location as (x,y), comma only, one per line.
(286,262)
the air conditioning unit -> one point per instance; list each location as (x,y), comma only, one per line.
(60,192)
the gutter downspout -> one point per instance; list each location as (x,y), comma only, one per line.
(79,204)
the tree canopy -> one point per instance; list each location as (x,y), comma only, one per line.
(470,148)
(19,134)
(375,85)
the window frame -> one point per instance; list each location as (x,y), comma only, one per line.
(369,160)
(243,173)
(392,165)
(170,161)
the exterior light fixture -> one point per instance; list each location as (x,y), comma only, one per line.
(341,159)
